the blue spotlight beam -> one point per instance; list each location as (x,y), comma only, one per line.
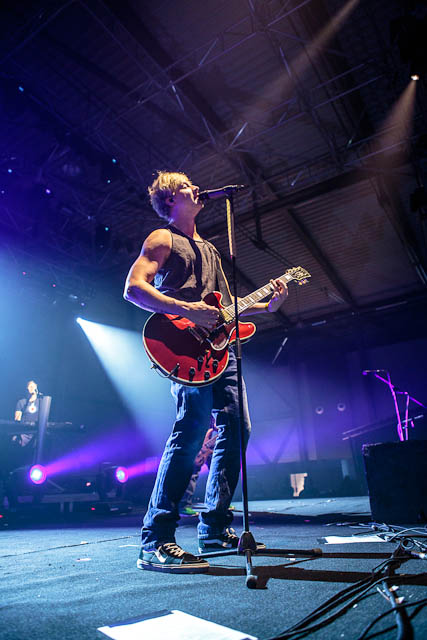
(142,391)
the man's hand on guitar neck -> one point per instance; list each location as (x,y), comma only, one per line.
(279,296)
(280,293)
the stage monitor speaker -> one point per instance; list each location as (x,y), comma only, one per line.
(397,481)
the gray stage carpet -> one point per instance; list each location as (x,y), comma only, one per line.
(64,579)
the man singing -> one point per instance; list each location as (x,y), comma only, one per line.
(174,272)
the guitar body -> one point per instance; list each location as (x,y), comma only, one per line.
(187,353)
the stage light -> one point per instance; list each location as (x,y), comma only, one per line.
(10,170)
(79,321)
(37,474)
(415,76)
(145,467)
(121,474)
(143,392)
(21,89)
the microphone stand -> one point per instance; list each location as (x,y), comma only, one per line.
(247,545)
(402,429)
(44,410)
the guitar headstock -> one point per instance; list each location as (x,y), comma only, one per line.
(299,274)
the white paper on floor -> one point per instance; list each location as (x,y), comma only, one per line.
(172,624)
(350,539)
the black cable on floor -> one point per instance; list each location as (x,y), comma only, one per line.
(348,597)
(418,603)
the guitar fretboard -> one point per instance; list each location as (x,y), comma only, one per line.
(251,299)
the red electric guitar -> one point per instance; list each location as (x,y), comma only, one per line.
(193,355)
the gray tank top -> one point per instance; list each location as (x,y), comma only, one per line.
(191,271)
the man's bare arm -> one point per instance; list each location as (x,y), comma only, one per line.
(140,291)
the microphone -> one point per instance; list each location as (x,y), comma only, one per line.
(366,371)
(223,192)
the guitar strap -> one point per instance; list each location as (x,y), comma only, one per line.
(222,283)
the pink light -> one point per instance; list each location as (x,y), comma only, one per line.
(37,474)
(122,474)
(149,465)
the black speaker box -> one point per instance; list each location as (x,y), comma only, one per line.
(397,481)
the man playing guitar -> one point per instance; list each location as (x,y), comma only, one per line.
(174,272)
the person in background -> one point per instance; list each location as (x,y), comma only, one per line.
(203,457)
(27,412)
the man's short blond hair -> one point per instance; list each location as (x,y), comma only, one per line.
(163,187)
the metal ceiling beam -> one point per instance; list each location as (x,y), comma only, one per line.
(294,198)
(314,248)
(286,113)
(313,20)
(299,89)
(120,86)
(131,21)
(389,199)
(241,31)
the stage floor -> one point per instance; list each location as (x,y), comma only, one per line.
(65,579)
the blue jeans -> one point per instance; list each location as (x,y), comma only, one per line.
(194,406)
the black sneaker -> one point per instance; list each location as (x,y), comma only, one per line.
(170,558)
(227,540)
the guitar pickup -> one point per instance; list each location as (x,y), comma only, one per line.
(195,334)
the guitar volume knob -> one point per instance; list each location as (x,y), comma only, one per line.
(191,373)
(207,375)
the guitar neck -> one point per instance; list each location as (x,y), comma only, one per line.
(251,299)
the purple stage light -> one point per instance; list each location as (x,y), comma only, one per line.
(149,465)
(121,474)
(113,445)
(37,474)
